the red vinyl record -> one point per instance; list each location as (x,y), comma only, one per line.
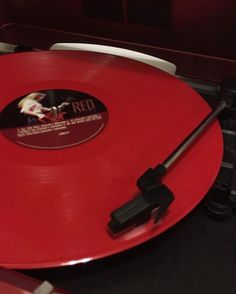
(77,130)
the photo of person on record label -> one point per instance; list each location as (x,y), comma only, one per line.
(36,112)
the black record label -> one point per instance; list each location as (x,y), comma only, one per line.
(53,119)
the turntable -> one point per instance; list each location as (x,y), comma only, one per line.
(81,123)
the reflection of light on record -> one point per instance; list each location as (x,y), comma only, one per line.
(56,201)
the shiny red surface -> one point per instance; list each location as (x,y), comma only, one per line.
(55,204)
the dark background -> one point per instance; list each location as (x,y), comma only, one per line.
(197,35)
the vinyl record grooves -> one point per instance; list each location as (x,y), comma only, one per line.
(99,121)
